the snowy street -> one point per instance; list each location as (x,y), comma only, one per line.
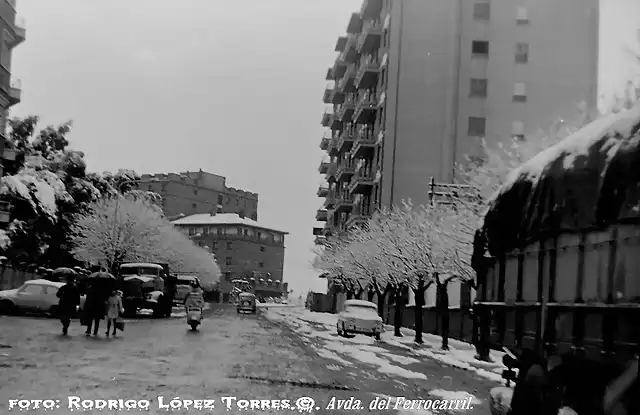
(245,356)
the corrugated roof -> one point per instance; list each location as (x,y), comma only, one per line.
(203,219)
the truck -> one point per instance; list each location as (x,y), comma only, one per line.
(146,285)
(557,260)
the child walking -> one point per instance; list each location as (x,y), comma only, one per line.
(114,308)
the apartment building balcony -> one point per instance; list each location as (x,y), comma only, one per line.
(331,172)
(365,109)
(357,217)
(326,118)
(334,122)
(339,67)
(323,191)
(15,92)
(324,143)
(333,147)
(362,181)
(324,167)
(371,9)
(341,43)
(329,76)
(355,23)
(347,82)
(370,38)
(320,240)
(328,93)
(346,139)
(321,215)
(345,170)
(350,52)
(347,109)
(364,146)
(330,199)
(19,33)
(344,202)
(368,72)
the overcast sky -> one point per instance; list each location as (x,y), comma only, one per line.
(230,87)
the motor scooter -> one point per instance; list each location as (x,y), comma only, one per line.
(194,316)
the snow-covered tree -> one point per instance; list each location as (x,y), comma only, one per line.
(123,228)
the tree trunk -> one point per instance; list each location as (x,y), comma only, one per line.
(444,310)
(419,294)
(349,294)
(370,295)
(381,296)
(399,310)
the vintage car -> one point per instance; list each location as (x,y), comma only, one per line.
(360,317)
(36,296)
(247,302)
(143,287)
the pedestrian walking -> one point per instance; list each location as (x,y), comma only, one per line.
(95,307)
(114,309)
(69,296)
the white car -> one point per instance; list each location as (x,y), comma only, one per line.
(360,317)
(38,296)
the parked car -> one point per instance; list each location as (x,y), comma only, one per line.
(360,317)
(39,296)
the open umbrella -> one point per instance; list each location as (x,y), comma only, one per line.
(101,275)
(64,272)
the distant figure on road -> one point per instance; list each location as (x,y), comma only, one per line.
(69,296)
(195,296)
(114,309)
(95,307)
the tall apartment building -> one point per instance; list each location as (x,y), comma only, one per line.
(244,249)
(418,84)
(13,33)
(188,193)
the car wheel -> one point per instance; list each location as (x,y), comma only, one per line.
(7,307)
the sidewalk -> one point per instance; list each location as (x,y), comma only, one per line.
(453,374)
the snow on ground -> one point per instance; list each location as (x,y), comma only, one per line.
(461,355)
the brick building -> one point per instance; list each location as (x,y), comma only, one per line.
(189,193)
(243,248)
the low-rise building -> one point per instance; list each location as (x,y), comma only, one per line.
(244,250)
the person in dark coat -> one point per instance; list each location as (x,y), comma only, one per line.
(95,307)
(69,296)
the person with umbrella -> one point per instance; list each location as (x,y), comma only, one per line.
(100,287)
(69,296)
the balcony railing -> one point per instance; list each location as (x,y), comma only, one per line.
(365,144)
(328,92)
(326,118)
(363,179)
(324,167)
(331,171)
(350,53)
(324,143)
(334,122)
(321,215)
(330,199)
(347,82)
(346,169)
(20,30)
(371,9)
(15,91)
(323,191)
(344,202)
(366,108)
(340,43)
(347,108)
(368,71)
(355,24)
(333,147)
(347,137)
(369,39)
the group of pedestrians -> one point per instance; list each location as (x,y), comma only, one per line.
(100,303)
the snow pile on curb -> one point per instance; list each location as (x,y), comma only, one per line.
(461,355)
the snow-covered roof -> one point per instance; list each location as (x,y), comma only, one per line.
(204,219)
(360,303)
(590,179)
(141,264)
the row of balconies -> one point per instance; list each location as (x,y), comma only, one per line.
(342,217)
(360,75)
(357,141)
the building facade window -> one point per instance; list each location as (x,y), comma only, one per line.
(519,92)
(254,216)
(262,249)
(477,126)
(228,260)
(214,245)
(522,16)
(229,245)
(522,53)
(517,130)
(219,209)
(220,198)
(261,265)
(193,205)
(228,276)
(478,88)
(480,48)
(482,11)
(195,191)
